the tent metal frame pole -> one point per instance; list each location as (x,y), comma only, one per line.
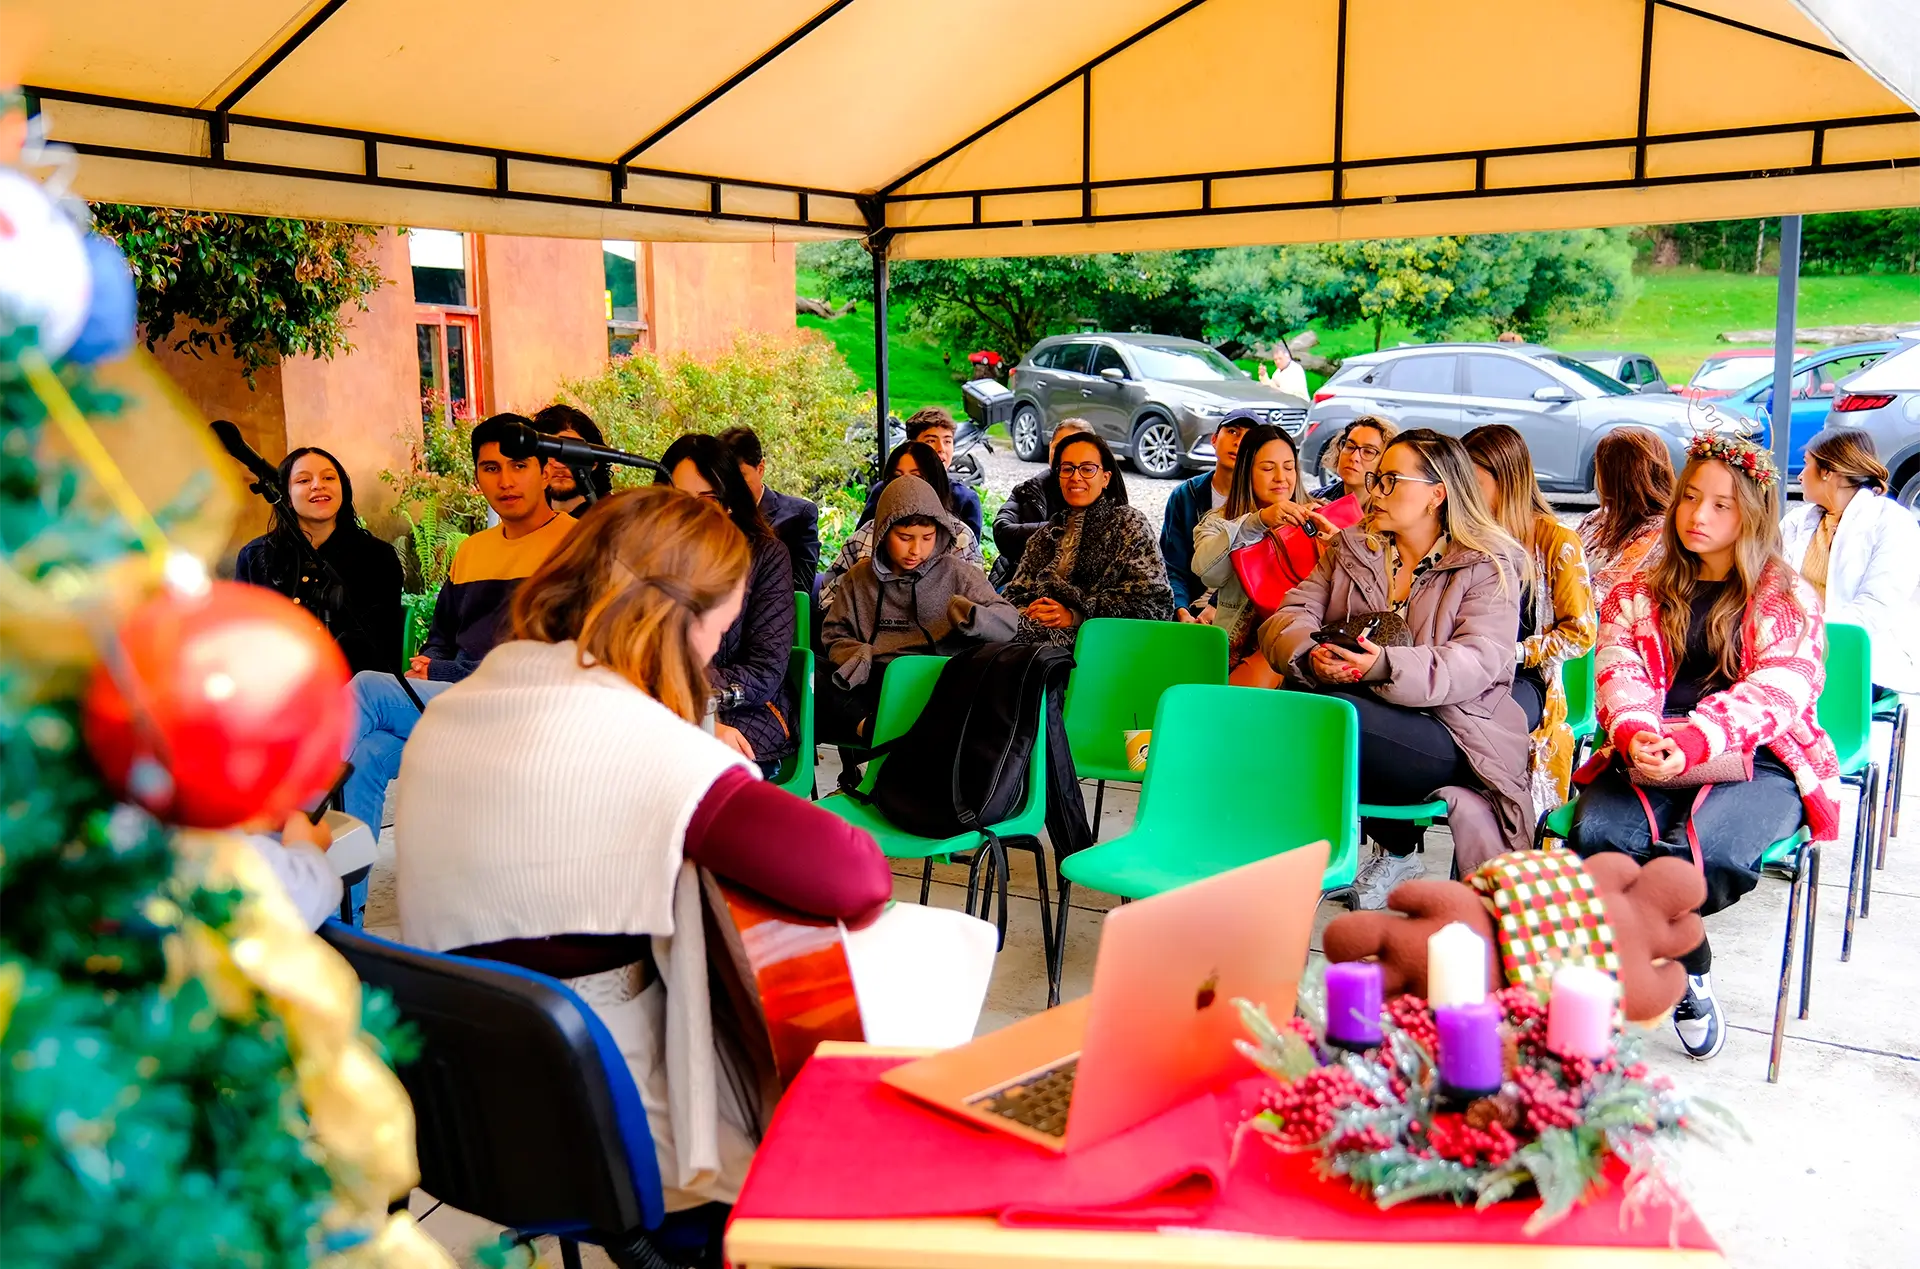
(1785,318)
(880,270)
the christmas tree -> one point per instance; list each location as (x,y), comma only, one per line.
(184,1078)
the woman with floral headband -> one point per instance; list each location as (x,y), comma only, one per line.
(1710,666)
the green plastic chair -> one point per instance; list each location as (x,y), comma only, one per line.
(1796,858)
(1121,667)
(802,619)
(1577,678)
(796,773)
(1846,715)
(1218,743)
(904,693)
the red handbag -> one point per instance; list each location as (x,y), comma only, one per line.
(1281,560)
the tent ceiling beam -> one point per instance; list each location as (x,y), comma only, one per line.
(1750,29)
(1085,68)
(706,197)
(223,110)
(1815,165)
(732,82)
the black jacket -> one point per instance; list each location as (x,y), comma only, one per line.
(1025,512)
(359,602)
(754,653)
(796,522)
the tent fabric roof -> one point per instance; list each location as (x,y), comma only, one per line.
(984,127)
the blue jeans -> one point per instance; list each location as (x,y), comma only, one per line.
(383,719)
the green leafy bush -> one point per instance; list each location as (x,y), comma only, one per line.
(796,391)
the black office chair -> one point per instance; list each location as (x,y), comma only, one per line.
(526,1114)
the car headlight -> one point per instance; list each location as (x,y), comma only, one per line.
(1209,411)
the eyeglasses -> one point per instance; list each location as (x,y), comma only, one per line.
(1385,482)
(1368,452)
(1085,471)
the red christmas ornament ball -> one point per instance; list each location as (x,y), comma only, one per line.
(221,708)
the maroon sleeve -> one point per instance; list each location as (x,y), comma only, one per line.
(789,850)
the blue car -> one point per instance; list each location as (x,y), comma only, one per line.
(1814,377)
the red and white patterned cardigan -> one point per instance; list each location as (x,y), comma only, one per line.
(1774,703)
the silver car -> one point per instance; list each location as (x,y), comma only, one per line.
(1883,400)
(1155,399)
(1561,406)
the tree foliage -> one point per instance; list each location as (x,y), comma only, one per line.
(1246,298)
(1836,243)
(265,286)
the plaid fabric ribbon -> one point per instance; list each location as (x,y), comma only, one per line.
(1548,913)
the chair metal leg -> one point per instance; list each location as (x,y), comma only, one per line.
(1870,806)
(569,1254)
(1065,896)
(1856,868)
(1813,911)
(926,880)
(1099,796)
(1046,902)
(1786,965)
(1896,781)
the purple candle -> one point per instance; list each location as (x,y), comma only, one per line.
(1471,1059)
(1353,1005)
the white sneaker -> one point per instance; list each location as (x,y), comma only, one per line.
(1380,874)
(1703,1033)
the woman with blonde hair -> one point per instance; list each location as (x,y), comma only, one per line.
(1633,479)
(1860,551)
(1437,711)
(1557,618)
(1264,496)
(552,804)
(1710,667)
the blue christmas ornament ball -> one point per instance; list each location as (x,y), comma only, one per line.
(111,307)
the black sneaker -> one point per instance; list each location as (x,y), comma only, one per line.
(1703,1033)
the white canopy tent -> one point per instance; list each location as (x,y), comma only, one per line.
(985,127)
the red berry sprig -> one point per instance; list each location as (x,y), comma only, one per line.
(1303,1110)
(1452,1137)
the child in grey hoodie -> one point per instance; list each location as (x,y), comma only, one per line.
(912,595)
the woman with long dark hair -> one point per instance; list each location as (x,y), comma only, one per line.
(1097,558)
(1557,618)
(318,555)
(1264,496)
(1633,479)
(749,670)
(1710,667)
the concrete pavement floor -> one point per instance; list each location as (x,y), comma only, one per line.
(1828,1174)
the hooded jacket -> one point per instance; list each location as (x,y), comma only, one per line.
(880,611)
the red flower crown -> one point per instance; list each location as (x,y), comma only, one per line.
(1737,452)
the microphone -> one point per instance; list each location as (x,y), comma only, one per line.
(524,442)
(266,477)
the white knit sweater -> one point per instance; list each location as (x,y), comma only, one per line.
(540,798)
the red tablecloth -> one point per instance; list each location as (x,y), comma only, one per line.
(845,1146)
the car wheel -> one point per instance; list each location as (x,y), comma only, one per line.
(1910,493)
(1156,448)
(1028,446)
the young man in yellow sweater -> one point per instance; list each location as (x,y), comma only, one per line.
(468,616)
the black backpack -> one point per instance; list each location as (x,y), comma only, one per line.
(963,763)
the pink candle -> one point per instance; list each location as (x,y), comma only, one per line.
(1580,1012)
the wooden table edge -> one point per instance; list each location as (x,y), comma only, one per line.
(982,1243)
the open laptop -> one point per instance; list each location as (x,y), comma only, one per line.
(1159,1025)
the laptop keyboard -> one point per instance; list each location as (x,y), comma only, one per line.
(1039,1101)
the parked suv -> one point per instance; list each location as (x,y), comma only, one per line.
(1561,406)
(1155,399)
(1883,400)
